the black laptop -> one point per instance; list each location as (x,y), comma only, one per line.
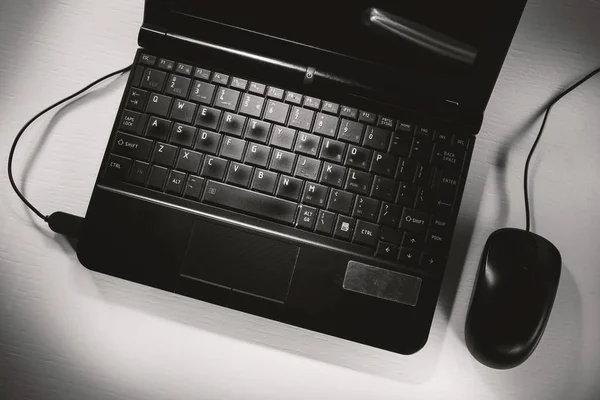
(303,162)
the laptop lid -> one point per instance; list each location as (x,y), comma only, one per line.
(450,51)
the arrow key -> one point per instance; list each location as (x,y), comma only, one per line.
(413,240)
(387,251)
(430,262)
(408,257)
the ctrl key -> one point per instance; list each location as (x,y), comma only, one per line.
(117,168)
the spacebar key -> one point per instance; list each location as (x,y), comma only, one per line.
(248,202)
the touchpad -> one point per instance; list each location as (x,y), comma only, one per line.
(243,261)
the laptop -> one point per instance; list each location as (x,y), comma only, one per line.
(300,162)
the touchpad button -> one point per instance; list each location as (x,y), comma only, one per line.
(244,261)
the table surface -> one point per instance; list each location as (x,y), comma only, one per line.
(67,333)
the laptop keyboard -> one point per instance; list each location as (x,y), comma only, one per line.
(379,182)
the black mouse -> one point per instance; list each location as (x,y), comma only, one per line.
(514,291)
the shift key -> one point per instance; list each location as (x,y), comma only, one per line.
(413,220)
(132,146)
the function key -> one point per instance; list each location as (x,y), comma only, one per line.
(402,126)
(312,102)
(147,59)
(424,131)
(184,69)
(239,83)
(275,93)
(168,65)
(385,122)
(330,108)
(202,73)
(442,137)
(349,112)
(257,88)
(220,78)
(367,117)
(294,98)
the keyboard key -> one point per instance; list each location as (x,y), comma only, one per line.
(158,175)
(208,142)
(408,257)
(294,98)
(448,157)
(183,111)
(333,175)
(183,69)
(307,168)
(202,92)
(344,227)
(307,144)
(282,161)
(159,104)
(330,108)
(147,59)
(423,175)
(358,182)
(460,142)
(138,172)
(326,125)
(424,132)
(366,208)
(332,150)
(208,117)
(384,189)
(435,242)
(117,167)
(289,188)
(153,79)
(189,161)
(387,251)
(257,88)
(275,93)
(430,262)
(389,215)
(227,99)
(367,117)
(421,149)
(407,194)
(413,220)
(164,154)
(391,235)
(193,187)
(239,83)
(175,183)
(137,99)
(251,105)
(202,73)
(425,199)
(232,124)
(312,102)
(385,122)
(264,181)
(257,155)
(276,112)
(132,146)
(350,131)
(214,168)
(325,221)
(306,217)
(315,194)
(239,174)
(377,138)
(178,85)
(232,148)
(439,221)
(301,118)
(366,234)
(283,137)
(357,157)
(340,201)
(406,170)
(403,126)
(400,144)
(384,164)
(442,138)
(249,202)
(165,64)
(133,122)
(349,112)
(413,240)
(257,131)
(158,128)
(220,78)
(183,135)
(447,188)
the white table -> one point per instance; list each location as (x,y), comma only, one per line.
(66,333)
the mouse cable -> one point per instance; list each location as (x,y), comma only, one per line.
(59,222)
(537,139)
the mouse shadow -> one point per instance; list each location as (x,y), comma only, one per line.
(558,354)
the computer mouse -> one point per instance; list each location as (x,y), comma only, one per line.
(514,292)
